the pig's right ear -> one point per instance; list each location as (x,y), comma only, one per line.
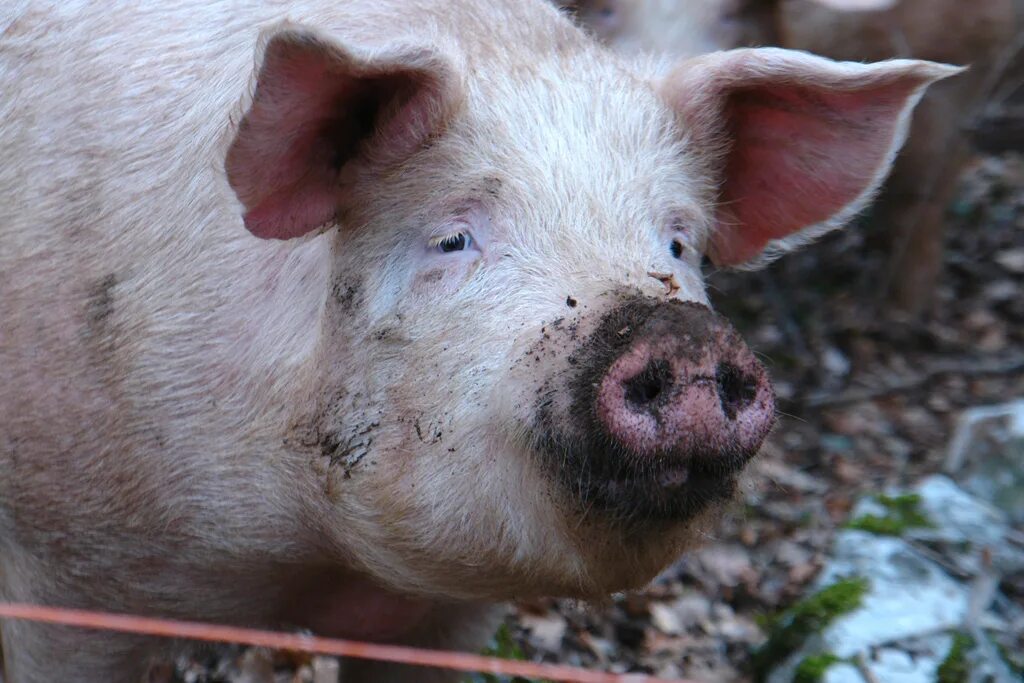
(801,143)
(317,108)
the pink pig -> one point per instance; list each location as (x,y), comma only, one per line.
(367,316)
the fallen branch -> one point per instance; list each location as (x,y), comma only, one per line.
(979,369)
(862,666)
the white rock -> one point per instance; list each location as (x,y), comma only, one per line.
(896,666)
(326,670)
(868,506)
(689,610)
(255,666)
(958,516)
(841,672)
(726,564)
(986,456)
(887,665)
(1011,259)
(547,630)
(665,619)
(908,594)
(972,419)
(902,628)
(835,362)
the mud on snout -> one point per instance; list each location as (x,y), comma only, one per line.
(662,408)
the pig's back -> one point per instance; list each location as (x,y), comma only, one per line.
(137,311)
(950,31)
(112,115)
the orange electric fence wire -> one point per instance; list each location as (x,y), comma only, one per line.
(191,630)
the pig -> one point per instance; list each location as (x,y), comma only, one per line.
(681,28)
(365,317)
(924,180)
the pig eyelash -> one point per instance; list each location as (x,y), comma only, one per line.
(455,241)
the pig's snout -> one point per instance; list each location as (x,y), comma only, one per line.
(685,387)
(667,405)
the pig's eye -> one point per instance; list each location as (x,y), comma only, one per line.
(676,248)
(456,241)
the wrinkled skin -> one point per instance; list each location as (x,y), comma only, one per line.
(302,320)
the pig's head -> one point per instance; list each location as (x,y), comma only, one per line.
(522,387)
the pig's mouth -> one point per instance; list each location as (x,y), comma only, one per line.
(665,408)
(628,487)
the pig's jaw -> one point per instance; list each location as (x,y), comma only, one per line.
(613,482)
(343,605)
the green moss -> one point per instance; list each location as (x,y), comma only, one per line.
(955,668)
(811,615)
(502,645)
(813,667)
(903,512)
(907,506)
(881,526)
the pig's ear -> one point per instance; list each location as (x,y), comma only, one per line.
(317,107)
(804,141)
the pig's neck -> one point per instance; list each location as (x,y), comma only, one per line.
(349,606)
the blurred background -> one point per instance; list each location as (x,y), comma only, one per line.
(880,536)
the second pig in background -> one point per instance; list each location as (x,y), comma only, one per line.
(909,218)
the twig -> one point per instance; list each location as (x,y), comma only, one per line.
(998,669)
(862,665)
(981,369)
(938,559)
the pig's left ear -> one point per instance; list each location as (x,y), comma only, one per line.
(321,108)
(804,141)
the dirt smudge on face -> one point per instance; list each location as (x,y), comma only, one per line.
(336,437)
(432,276)
(430,434)
(346,293)
(99,331)
(99,304)
(346,448)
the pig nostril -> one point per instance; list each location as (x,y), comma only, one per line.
(653,382)
(736,390)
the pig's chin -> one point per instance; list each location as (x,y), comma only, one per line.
(630,490)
